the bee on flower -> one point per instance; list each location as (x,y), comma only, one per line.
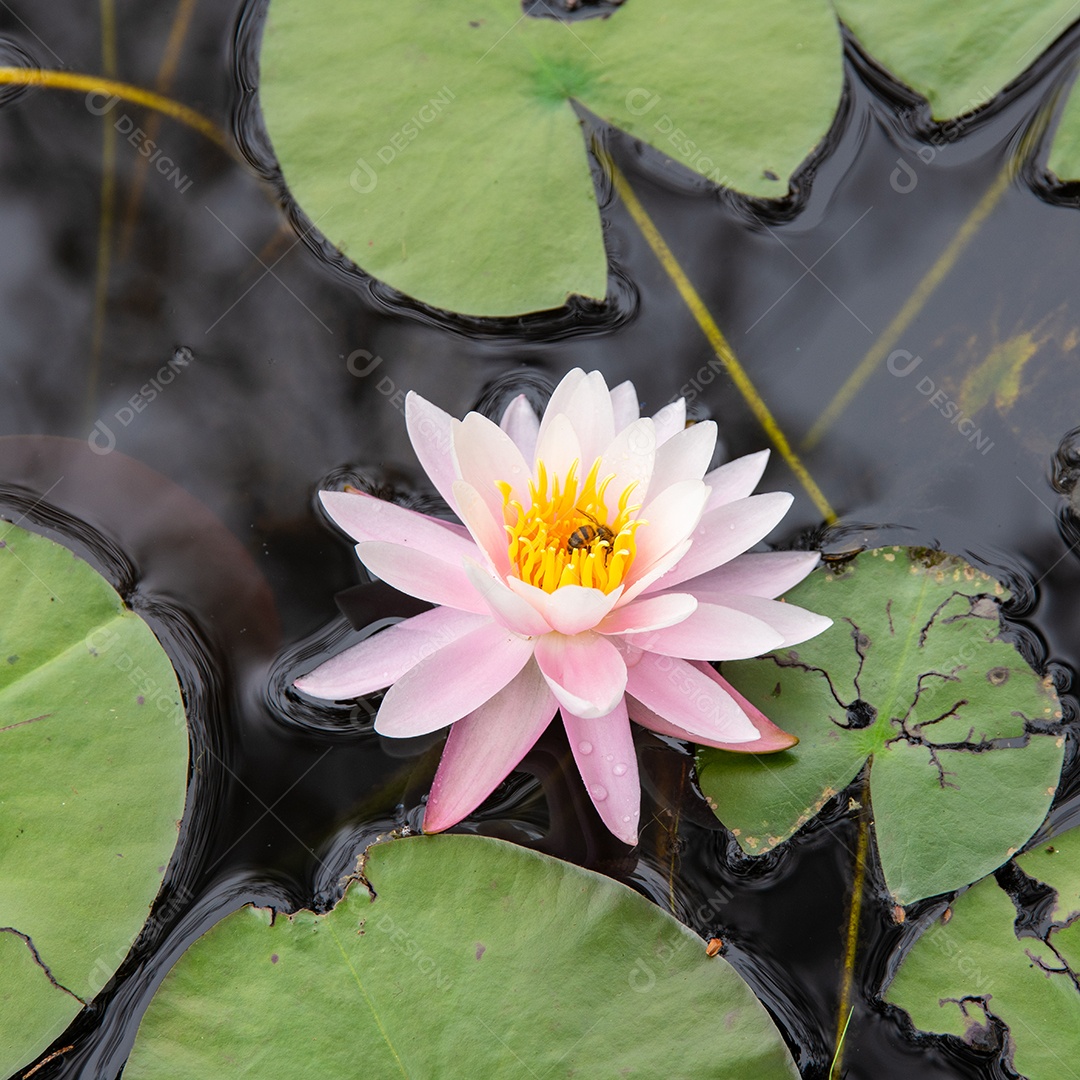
(598,569)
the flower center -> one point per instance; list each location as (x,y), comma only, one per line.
(564,536)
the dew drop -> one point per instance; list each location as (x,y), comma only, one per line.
(619,770)
(585,747)
(626,818)
(599,793)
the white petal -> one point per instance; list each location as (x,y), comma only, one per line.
(624,404)
(673,516)
(684,456)
(558,449)
(585,672)
(429,432)
(794,623)
(757,573)
(630,458)
(422,575)
(521,423)
(485,455)
(560,398)
(711,632)
(489,533)
(649,614)
(737,479)
(510,609)
(573,608)
(670,420)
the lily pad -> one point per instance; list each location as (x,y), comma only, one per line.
(914,676)
(958,56)
(470,957)
(438,145)
(93,772)
(979,964)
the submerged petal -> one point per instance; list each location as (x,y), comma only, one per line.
(484,747)
(381,659)
(603,748)
(453,681)
(586,673)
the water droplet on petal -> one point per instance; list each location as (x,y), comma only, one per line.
(609,757)
(626,818)
(619,770)
(598,793)
(585,747)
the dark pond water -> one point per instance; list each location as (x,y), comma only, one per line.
(202,509)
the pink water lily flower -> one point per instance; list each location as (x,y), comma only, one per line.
(599,569)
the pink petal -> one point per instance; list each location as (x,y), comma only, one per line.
(794,623)
(484,747)
(585,672)
(670,420)
(667,609)
(522,425)
(758,573)
(728,531)
(737,479)
(510,610)
(485,455)
(488,532)
(658,570)
(772,738)
(680,693)
(711,632)
(419,574)
(604,751)
(624,404)
(685,456)
(672,518)
(429,432)
(366,518)
(452,682)
(630,458)
(383,658)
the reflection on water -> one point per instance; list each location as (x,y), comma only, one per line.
(199,505)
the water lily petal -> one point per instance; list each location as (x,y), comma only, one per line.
(630,458)
(682,694)
(712,632)
(485,455)
(756,573)
(429,433)
(794,623)
(452,682)
(658,570)
(604,751)
(487,530)
(588,408)
(728,531)
(379,660)
(509,609)
(560,398)
(574,608)
(685,456)
(670,420)
(771,738)
(365,518)
(672,518)
(665,609)
(416,573)
(484,747)
(558,448)
(736,479)
(624,404)
(585,672)
(521,423)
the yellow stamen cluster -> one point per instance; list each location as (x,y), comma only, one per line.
(564,536)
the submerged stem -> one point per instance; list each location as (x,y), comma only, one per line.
(854,914)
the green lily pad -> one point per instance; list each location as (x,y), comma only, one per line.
(438,147)
(977,965)
(473,957)
(914,676)
(93,772)
(958,56)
